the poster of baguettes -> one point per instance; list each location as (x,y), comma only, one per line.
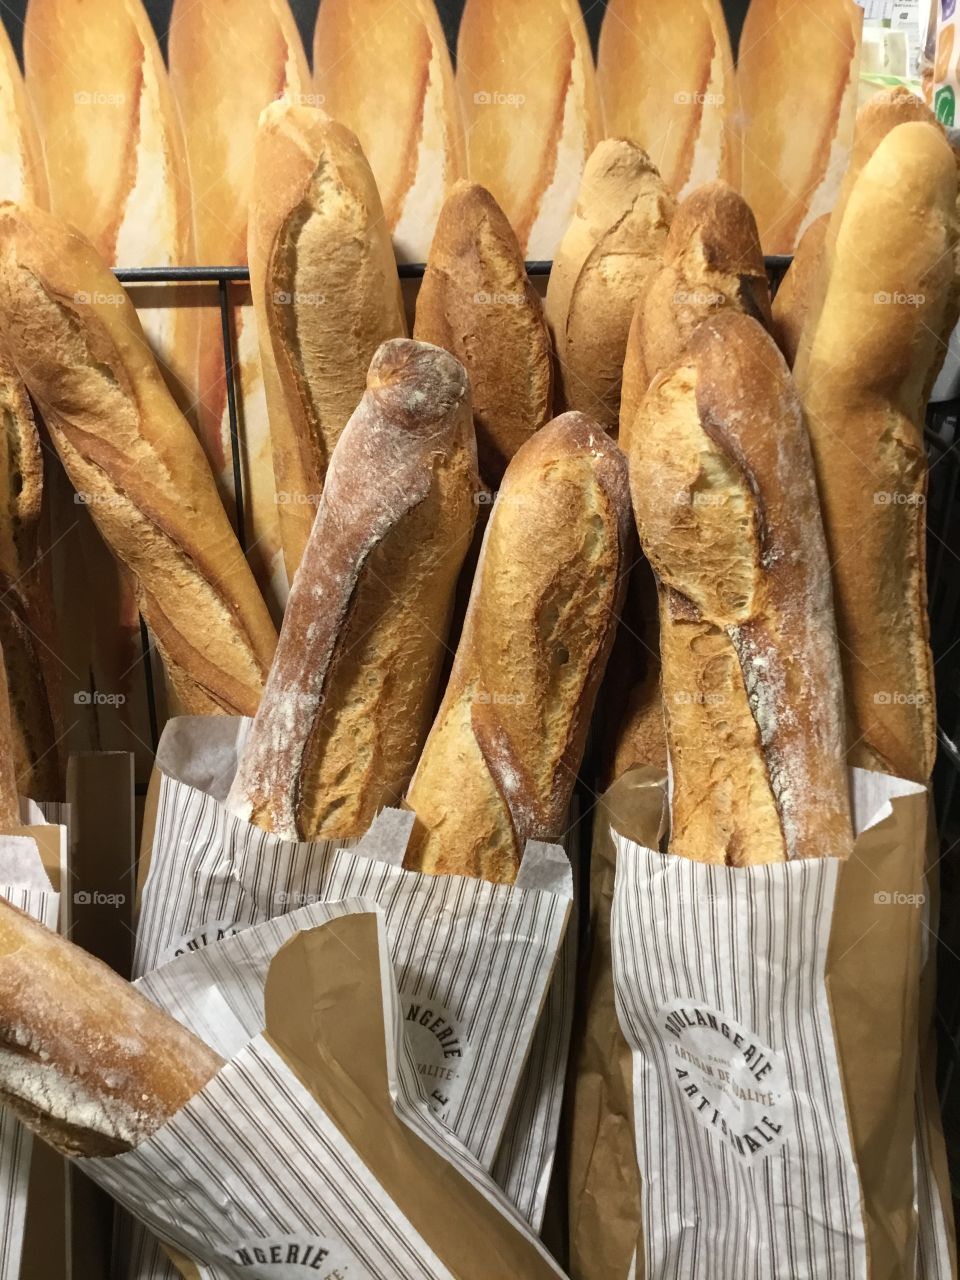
(137,121)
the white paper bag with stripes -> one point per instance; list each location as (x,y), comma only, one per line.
(474,961)
(772,1015)
(314,1149)
(25,881)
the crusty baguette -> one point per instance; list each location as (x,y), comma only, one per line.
(667,83)
(26,599)
(726,503)
(499,766)
(326,294)
(476,301)
(228,60)
(711,260)
(23,171)
(794,298)
(86,1061)
(353,688)
(865,369)
(531,111)
(801,294)
(77,343)
(610,251)
(115,154)
(9,790)
(383,69)
(797,70)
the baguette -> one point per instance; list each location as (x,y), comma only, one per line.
(26,599)
(383,69)
(87,1062)
(801,294)
(326,294)
(9,789)
(228,60)
(711,260)
(23,171)
(726,504)
(477,302)
(499,766)
(353,688)
(605,261)
(667,83)
(115,154)
(76,341)
(528,148)
(864,371)
(798,71)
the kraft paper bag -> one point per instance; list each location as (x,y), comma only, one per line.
(314,1148)
(475,962)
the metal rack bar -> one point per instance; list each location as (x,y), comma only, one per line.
(235,446)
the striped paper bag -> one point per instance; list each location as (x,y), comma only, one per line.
(772,1014)
(313,1150)
(32,869)
(475,962)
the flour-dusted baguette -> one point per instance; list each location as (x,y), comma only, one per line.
(383,69)
(115,154)
(23,171)
(531,111)
(228,60)
(667,83)
(86,1061)
(499,766)
(711,260)
(353,688)
(726,502)
(864,371)
(610,251)
(801,294)
(27,628)
(797,71)
(78,345)
(326,294)
(476,301)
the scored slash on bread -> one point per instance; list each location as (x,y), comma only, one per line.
(350,695)
(500,763)
(87,1062)
(326,293)
(867,362)
(78,346)
(476,302)
(531,111)
(609,252)
(725,498)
